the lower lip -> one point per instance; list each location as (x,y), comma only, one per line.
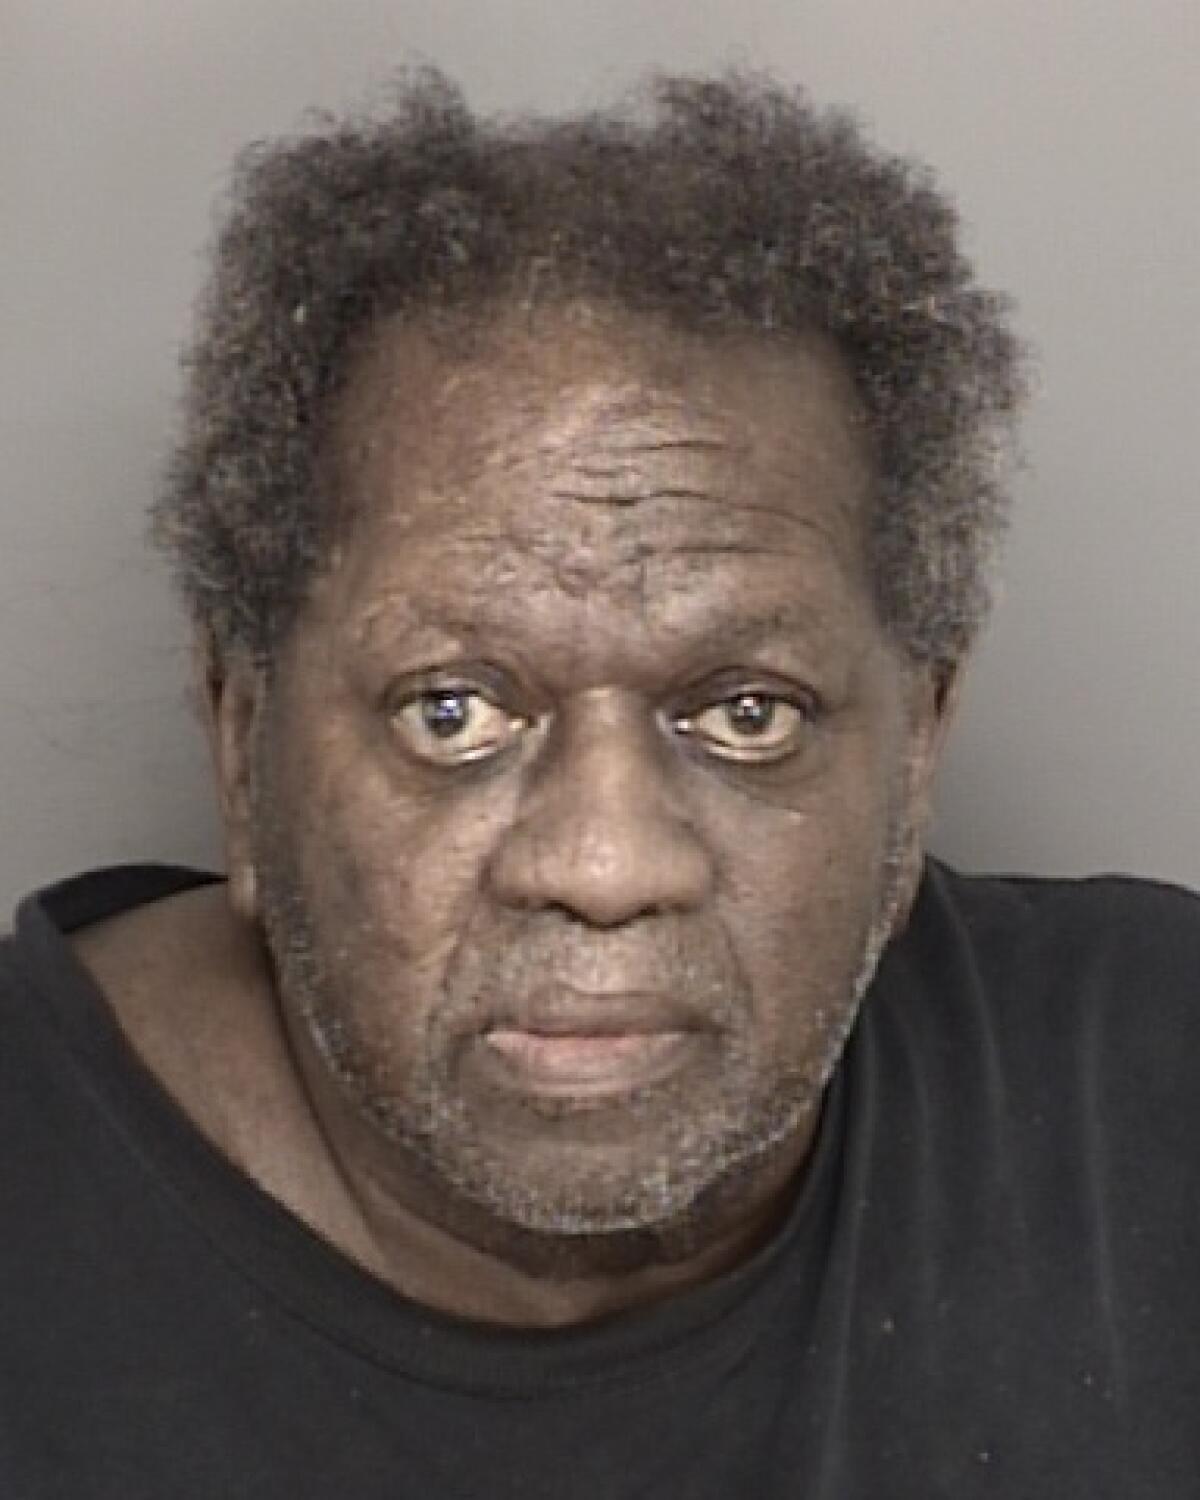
(579,1066)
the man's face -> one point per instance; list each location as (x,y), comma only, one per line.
(586,776)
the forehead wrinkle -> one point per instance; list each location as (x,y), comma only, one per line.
(731,547)
(625,448)
(632,494)
(608,472)
(678,444)
(584,439)
(627,421)
(607,469)
(490,562)
(537,483)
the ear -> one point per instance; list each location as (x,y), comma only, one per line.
(231,693)
(936,688)
(937,693)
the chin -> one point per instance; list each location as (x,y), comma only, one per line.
(602,1191)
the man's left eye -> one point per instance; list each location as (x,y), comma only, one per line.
(751,726)
(447,726)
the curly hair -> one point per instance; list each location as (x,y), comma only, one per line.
(717,204)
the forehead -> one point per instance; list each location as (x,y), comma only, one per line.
(592,455)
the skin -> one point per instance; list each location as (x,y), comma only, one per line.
(566,830)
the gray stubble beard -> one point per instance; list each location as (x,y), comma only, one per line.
(680,1194)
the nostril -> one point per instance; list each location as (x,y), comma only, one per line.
(614,874)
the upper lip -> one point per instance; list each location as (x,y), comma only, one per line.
(561,1010)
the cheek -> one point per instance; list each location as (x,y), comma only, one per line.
(392,877)
(801,890)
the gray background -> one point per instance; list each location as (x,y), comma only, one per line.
(1067,129)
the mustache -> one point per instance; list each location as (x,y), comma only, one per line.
(552,973)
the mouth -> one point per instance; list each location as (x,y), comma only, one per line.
(567,1044)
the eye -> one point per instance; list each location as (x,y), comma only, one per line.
(454,725)
(750,727)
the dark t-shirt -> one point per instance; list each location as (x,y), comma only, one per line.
(987,1286)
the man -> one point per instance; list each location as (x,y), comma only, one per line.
(585,524)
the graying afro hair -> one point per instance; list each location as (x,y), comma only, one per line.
(716,204)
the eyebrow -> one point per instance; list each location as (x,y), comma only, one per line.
(789,620)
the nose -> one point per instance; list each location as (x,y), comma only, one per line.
(599,834)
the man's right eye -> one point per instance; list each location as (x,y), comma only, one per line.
(449,726)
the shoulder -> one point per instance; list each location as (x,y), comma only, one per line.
(162,978)
(1070,896)
(189,985)
(143,955)
(1117,926)
(1103,971)
(1096,979)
